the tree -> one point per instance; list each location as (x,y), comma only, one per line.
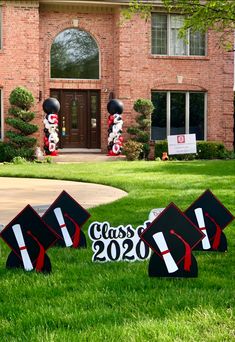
(20,142)
(141,132)
(200,15)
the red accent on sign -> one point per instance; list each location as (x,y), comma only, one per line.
(22,248)
(180,139)
(165,252)
(63,225)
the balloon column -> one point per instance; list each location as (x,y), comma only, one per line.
(51,107)
(115,122)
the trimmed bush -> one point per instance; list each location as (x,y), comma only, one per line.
(205,150)
(22,98)
(141,132)
(20,143)
(132,149)
(211,150)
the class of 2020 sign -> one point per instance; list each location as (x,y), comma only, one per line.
(120,243)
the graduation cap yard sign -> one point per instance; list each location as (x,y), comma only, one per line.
(65,217)
(211,216)
(172,237)
(29,238)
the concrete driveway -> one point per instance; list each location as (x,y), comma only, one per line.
(16,193)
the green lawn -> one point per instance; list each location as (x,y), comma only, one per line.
(85,301)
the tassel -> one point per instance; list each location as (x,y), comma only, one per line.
(218,232)
(187,257)
(77,234)
(41,255)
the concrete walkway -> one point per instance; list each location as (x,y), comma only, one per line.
(85,157)
(16,193)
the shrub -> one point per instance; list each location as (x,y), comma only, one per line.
(20,144)
(2,152)
(22,98)
(211,150)
(141,132)
(205,150)
(132,149)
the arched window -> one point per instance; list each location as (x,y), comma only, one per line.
(74,54)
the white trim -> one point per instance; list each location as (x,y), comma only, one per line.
(169,17)
(187,106)
(168,113)
(205,115)
(187,110)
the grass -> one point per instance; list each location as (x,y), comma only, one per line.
(85,301)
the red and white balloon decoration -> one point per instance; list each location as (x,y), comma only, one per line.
(115,122)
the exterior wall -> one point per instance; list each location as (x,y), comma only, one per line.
(19,56)
(100,26)
(127,67)
(142,72)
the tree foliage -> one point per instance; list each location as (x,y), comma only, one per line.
(141,131)
(200,15)
(20,142)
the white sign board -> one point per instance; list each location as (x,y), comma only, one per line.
(182,144)
(154,213)
(120,243)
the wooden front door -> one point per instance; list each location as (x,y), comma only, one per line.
(79,118)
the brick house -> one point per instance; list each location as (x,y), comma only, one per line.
(78,52)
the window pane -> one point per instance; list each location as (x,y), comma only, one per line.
(159,34)
(196,114)
(197,44)
(74,54)
(74,114)
(158,128)
(94,107)
(177,113)
(178,46)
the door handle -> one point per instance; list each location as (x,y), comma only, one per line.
(93,123)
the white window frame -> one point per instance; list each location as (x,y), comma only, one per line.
(187,107)
(169,16)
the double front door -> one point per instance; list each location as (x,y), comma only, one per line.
(79,118)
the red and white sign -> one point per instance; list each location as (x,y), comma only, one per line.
(182,144)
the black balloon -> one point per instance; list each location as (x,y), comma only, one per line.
(51,105)
(115,106)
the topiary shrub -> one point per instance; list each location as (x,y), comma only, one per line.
(20,143)
(132,149)
(141,132)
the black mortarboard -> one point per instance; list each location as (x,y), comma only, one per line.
(172,236)
(29,238)
(212,217)
(65,216)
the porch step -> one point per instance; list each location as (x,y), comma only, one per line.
(79,150)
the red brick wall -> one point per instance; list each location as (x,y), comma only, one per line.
(100,26)
(19,56)
(127,67)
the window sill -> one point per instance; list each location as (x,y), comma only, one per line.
(198,58)
(74,80)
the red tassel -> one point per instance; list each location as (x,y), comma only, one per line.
(77,234)
(41,255)
(218,232)
(187,257)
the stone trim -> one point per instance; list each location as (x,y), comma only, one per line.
(76,8)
